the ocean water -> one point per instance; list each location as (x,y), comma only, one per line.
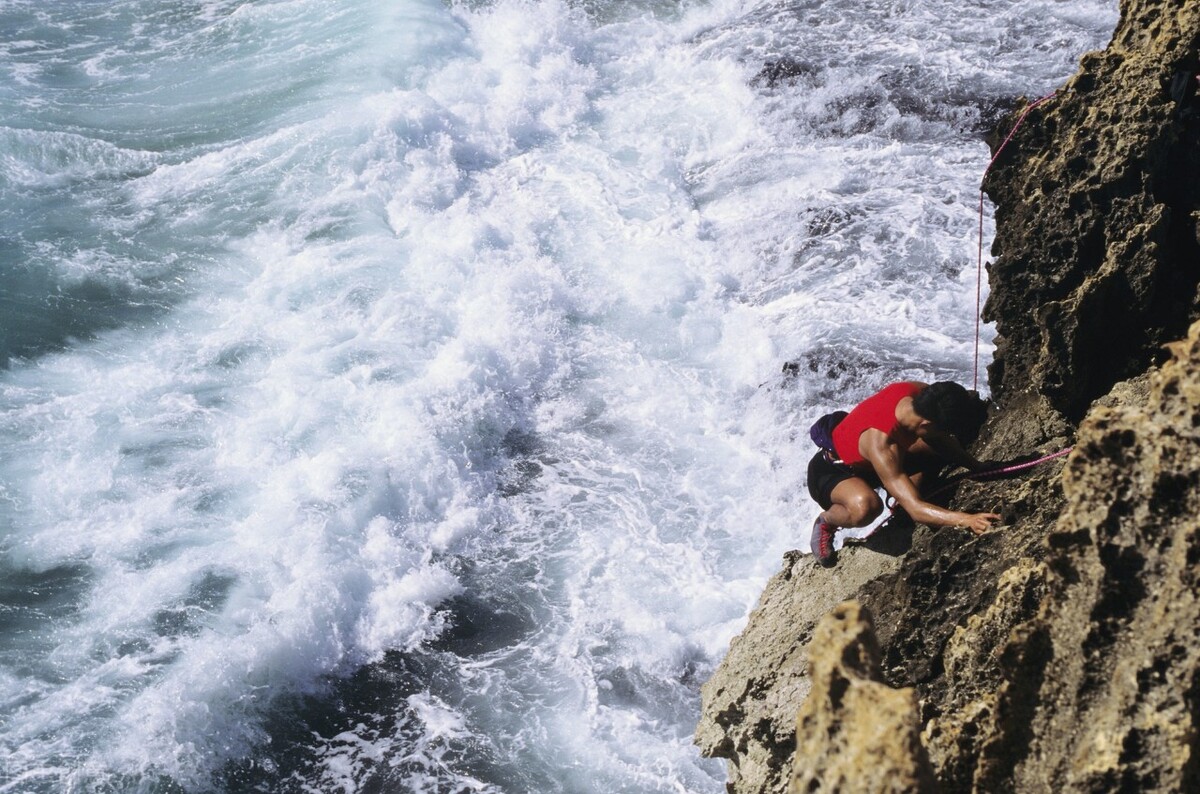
(392,393)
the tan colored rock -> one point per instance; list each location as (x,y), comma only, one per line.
(1114,654)
(972,660)
(1099,690)
(749,704)
(854,733)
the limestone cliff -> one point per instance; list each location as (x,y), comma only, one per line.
(851,714)
(1096,210)
(1059,652)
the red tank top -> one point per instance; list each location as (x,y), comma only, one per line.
(877,411)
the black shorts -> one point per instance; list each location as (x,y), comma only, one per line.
(824,475)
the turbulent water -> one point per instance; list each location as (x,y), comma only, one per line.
(393,394)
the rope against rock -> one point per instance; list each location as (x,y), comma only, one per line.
(979,269)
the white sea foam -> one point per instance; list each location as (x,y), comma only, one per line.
(456,447)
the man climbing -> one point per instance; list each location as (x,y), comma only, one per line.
(896,437)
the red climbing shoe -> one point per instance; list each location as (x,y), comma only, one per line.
(821,543)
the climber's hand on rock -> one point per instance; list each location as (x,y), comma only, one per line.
(979,523)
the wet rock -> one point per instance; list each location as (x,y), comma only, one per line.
(783,70)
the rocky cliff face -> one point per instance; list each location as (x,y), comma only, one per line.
(1096,210)
(1059,652)
(851,714)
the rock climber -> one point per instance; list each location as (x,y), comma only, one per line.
(901,434)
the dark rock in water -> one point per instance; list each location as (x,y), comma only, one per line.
(1057,652)
(784,70)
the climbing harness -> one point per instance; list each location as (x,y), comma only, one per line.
(979,270)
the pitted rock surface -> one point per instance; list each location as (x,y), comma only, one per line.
(854,732)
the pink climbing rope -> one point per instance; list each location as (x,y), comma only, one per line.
(979,270)
(978,475)
(999,472)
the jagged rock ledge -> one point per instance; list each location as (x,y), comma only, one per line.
(1057,653)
